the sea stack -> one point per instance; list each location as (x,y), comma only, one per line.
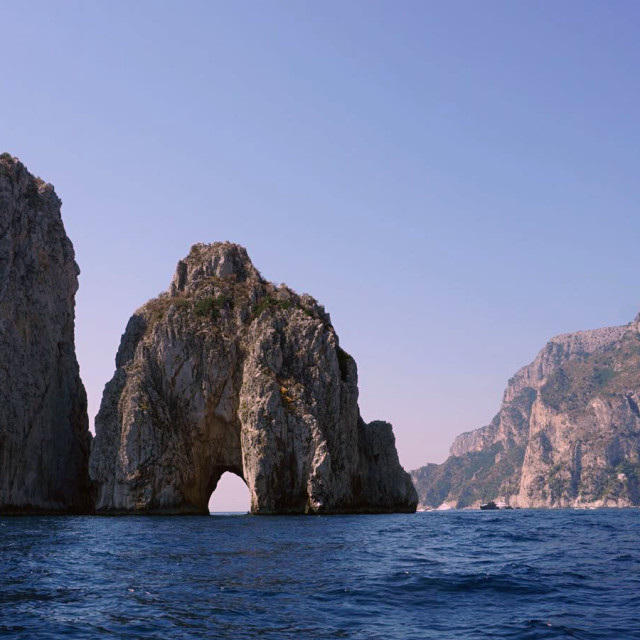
(228,372)
(44,431)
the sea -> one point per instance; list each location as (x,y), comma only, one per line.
(521,574)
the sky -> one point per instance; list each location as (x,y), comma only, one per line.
(456,181)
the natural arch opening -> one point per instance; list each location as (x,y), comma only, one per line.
(231,495)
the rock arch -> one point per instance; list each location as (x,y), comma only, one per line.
(224,372)
(230,495)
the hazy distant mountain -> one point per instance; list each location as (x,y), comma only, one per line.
(567,434)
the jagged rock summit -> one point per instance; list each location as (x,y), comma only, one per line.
(44,431)
(567,434)
(228,372)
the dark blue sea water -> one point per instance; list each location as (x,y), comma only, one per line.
(510,574)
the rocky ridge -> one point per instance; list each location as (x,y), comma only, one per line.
(44,433)
(567,433)
(228,372)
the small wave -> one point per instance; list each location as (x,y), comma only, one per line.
(625,557)
(468,583)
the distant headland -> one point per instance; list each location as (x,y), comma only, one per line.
(567,434)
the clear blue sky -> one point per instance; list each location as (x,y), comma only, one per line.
(456,181)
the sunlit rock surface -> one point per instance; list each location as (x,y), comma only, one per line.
(567,434)
(228,372)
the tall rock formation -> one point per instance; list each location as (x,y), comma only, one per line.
(44,432)
(227,372)
(567,434)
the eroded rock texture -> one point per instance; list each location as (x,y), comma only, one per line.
(44,435)
(227,372)
(567,434)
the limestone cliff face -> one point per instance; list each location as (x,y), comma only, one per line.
(567,434)
(44,434)
(227,372)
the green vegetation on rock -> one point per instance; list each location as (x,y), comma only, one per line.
(210,306)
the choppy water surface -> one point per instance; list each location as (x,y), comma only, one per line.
(511,574)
